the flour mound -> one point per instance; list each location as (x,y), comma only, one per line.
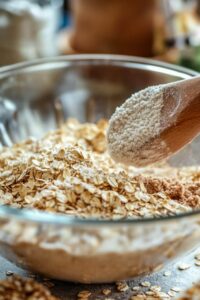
(134,124)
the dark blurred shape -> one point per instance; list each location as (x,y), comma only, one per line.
(198,7)
(114,26)
(66,5)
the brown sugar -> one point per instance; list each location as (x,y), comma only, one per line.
(187,193)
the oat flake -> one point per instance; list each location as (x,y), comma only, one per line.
(69,171)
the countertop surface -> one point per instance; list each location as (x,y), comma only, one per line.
(69,291)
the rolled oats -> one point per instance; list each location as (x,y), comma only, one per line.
(17,288)
(84,295)
(145,284)
(69,171)
(106,292)
(167,273)
(197,256)
(197,263)
(184,266)
(122,286)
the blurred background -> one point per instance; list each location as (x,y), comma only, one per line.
(167,30)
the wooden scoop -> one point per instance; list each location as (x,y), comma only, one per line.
(179,122)
(180,116)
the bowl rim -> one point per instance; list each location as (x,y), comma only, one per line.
(134,60)
(37,216)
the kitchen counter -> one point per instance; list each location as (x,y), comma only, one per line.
(68,291)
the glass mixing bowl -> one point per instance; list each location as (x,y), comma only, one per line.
(38,96)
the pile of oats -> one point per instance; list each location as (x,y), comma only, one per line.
(17,288)
(69,171)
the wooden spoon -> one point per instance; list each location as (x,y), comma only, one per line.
(179,124)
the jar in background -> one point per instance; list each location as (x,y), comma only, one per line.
(114,26)
(28,29)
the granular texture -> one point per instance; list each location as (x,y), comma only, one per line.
(17,288)
(133,127)
(69,171)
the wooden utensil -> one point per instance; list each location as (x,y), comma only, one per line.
(180,118)
(179,122)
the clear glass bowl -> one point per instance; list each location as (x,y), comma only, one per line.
(38,96)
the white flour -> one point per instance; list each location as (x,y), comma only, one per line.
(134,124)
(27,30)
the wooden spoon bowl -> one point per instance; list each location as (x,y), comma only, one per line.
(179,123)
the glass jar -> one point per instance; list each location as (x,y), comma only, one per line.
(28,29)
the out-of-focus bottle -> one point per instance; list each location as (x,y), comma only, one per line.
(28,29)
(190,54)
(180,38)
(111,26)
